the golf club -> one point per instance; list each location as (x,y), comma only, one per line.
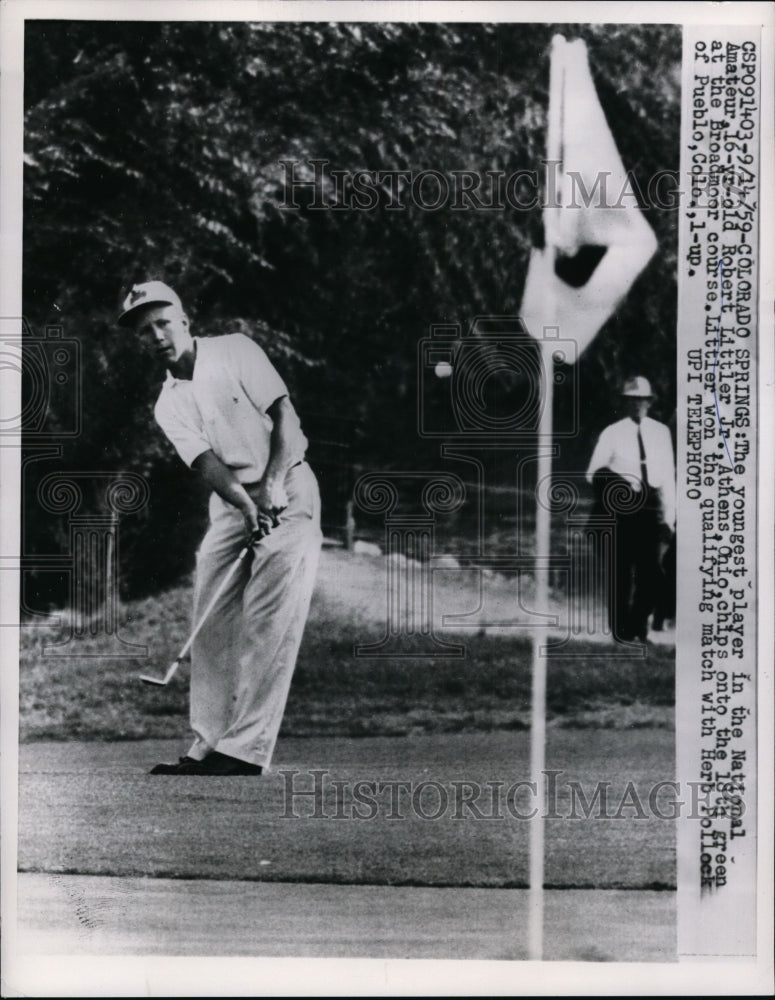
(163,681)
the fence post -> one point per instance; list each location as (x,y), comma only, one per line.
(349,525)
(94,560)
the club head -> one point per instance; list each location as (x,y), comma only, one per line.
(155,681)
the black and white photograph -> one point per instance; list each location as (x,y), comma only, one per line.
(387,535)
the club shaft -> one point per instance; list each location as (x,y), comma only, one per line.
(213,601)
(172,671)
(162,681)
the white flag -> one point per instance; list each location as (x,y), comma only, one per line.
(597,237)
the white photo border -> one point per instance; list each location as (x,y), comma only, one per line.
(154,976)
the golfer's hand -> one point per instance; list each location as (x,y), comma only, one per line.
(257,523)
(272,500)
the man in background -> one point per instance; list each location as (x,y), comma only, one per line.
(228,414)
(633,472)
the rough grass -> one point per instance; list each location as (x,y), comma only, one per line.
(85,695)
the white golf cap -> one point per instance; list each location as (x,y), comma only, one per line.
(638,386)
(149,293)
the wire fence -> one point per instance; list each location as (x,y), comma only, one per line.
(496,521)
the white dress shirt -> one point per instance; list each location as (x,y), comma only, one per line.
(617,449)
(223,406)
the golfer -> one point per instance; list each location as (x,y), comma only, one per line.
(635,456)
(227,412)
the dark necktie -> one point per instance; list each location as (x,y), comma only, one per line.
(643,470)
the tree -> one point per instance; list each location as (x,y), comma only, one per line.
(168,149)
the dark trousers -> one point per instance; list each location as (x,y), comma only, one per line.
(636,580)
(665,605)
(634,577)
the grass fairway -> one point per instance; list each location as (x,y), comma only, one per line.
(312,872)
(84,695)
(85,915)
(91,808)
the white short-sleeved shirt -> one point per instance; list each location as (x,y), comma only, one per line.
(617,449)
(223,407)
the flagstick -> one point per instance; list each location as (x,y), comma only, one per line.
(538,707)
(542,540)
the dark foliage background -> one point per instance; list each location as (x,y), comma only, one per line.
(154,150)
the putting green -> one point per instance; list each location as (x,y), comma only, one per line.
(88,915)
(445,812)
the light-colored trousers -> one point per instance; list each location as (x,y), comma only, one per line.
(243,659)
